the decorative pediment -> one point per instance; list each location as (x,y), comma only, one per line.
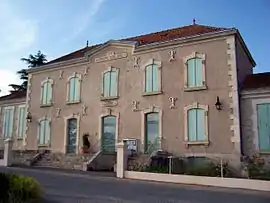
(112,54)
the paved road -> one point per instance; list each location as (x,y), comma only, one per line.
(63,187)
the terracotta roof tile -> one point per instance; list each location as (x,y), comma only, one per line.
(258,80)
(14,95)
(165,35)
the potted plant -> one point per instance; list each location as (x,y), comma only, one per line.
(86,144)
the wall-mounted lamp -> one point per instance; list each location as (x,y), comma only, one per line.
(29,117)
(218,104)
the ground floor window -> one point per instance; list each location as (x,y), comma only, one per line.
(151,132)
(263,119)
(44,132)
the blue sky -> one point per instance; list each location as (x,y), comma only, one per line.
(62,26)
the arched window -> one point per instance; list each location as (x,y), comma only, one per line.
(46,92)
(196,124)
(44,131)
(152,77)
(110,82)
(195,71)
(74,88)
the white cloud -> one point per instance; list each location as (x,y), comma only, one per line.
(17,34)
(83,20)
(7,77)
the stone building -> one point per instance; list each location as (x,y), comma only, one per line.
(176,90)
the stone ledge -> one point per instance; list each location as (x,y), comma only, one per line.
(201,180)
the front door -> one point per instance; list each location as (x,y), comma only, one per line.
(71,135)
(108,133)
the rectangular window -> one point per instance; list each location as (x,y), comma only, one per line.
(44,132)
(263,119)
(21,122)
(196,125)
(8,122)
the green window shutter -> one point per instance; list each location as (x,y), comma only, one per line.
(149,79)
(21,122)
(76,89)
(11,115)
(263,117)
(44,93)
(200,128)
(6,127)
(49,93)
(47,132)
(41,132)
(113,84)
(191,73)
(106,84)
(155,79)
(71,89)
(198,72)
(192,124)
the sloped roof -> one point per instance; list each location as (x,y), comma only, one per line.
(14,95)
(257,80)
(165,35)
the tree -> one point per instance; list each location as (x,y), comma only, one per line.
(32,62)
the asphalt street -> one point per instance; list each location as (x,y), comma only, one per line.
(67,187)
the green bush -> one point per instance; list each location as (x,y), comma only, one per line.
(19,189)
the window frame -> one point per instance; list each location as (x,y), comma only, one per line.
(258,129)
(186,59)
(196,105)
(149,110)
(109,70)
(108,113)
(50,85)
(74,75)
(159,67)
(38,139)
(12,108)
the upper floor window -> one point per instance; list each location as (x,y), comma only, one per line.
(74,88)
(195,71)
(8,121)
(110,82)
(196,124)
(152,77)
(44,131)
(46,92)
(21,121)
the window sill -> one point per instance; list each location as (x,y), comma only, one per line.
(19,138)
(72,102)
(190,89)
(45,105)
(108,98)
(205,143)
(266,152)
(151,93)
(43,145)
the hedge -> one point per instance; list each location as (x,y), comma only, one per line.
(19,189)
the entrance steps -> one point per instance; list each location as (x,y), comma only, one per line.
(60,160)
(101,161)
